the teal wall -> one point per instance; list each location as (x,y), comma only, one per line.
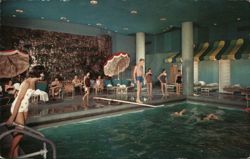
(240,72)
(163,43)
(209,71)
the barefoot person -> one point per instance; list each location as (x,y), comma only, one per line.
(85,98)
(20,106)
(163,80)
(138,78)
(178,82)
(149,82)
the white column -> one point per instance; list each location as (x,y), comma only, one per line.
(187,57)
(224,74)
(140,46)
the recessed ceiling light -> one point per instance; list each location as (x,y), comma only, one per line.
(93,2)
(63,18)
(125,28)
(98,24)
(42,17)
(116,31)
(133,11)
(215,24)
(238,19)
(68,20)
(163,19)
(14,15)
(19,10)
(89,24)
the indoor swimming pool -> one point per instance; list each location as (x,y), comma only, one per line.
(156,134)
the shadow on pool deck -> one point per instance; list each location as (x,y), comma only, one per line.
(70,109)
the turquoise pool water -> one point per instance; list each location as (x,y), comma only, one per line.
(155,134)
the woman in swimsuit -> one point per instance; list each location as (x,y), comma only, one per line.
(20,106)
(85,98)
(178,82)
(149,82)
(163,80)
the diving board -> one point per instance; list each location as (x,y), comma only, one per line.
(124,101)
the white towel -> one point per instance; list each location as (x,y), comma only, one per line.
(43,95)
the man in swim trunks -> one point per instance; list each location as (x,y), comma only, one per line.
(138,78)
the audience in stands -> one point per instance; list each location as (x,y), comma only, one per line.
(74,54)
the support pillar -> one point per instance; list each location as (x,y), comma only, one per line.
(187,57)
(140,47)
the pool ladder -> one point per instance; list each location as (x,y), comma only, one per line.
(32,133)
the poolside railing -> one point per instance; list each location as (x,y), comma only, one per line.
(32,133)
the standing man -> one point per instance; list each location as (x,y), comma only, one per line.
(138,78)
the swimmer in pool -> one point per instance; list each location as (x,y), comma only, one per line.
(208,117)
(178,114)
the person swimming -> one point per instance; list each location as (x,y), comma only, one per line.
(208,117)
(178,114)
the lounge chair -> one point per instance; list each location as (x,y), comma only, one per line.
(232,89)
(212,87)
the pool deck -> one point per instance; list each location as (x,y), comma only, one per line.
(69,109)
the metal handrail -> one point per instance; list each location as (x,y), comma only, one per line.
(35,134)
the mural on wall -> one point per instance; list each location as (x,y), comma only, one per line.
(60,53)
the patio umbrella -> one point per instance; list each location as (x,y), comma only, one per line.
(13,63)
(116,64)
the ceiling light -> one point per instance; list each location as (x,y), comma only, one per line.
(98,24)
(163,19)
(67,20)
(19,10)
(133,12)
(42,17)
(125,28)
(238,19)
(116,31)
(63,18)
(89,24)
(93,2)
(14,15)
(65,0)
(215,24)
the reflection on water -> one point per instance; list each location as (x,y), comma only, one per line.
(156,134)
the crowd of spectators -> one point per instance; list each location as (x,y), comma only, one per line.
(60,53)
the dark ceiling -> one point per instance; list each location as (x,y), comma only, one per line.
(153,16)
